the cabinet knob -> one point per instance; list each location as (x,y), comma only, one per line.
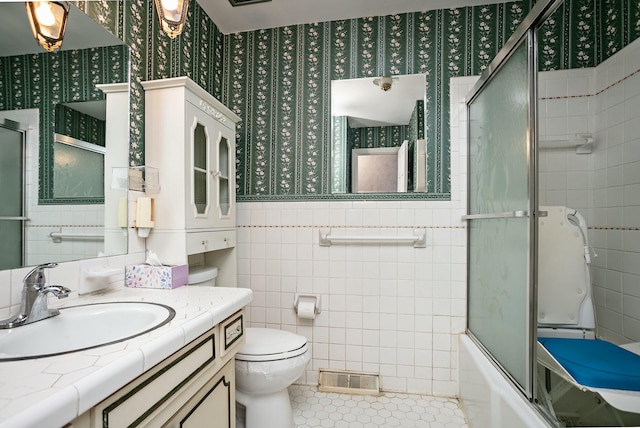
(205,242)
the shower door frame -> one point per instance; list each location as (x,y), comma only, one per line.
(525,33)
(17,127)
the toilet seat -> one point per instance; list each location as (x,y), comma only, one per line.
(267,344)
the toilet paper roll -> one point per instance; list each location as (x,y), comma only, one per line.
(306,307)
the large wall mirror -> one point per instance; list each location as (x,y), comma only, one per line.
(377,133)
(53,125)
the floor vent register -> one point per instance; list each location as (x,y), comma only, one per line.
(346,382)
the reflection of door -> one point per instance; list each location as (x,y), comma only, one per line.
(403,166)
(380,170)
(11,195)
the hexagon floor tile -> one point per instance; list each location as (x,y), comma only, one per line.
(318,409)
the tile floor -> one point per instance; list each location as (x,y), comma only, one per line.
(318,409)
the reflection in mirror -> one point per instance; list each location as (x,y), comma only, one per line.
(364,116)
(380,170)
(78,153)
(78,168)
(58,215)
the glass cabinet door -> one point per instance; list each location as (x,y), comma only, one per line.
(224,178)
(200,169)
(212,172)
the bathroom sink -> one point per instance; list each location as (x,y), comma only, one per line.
(82,327)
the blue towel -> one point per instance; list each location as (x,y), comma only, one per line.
(596,363)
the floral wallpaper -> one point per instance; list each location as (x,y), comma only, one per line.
(277,80)
(197,53)
(79,125)
(48,79)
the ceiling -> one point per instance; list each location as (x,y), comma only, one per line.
(279,13)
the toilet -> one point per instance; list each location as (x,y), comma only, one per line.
(269,361)
(267,364)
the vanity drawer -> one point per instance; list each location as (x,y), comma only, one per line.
(199,242)
(162,389)
(232,333)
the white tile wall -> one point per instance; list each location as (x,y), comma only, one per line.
(616,199)
(605,185)
(387,308)
(66,274)
(566,104)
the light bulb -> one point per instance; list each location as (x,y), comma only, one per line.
(170,4)
(45,15)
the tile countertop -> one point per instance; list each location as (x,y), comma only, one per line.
(52,391)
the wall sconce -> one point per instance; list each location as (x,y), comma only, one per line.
(48,21)
(384,82)
(172,15)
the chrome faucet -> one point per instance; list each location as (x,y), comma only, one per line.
(34,305)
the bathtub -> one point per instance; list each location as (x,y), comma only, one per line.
(487,398)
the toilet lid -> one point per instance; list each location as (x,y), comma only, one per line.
(268,344)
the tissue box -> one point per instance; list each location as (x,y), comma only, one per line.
(148,276)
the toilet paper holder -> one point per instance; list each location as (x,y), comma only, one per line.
(306,297)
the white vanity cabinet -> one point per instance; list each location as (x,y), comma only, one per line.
(195,387)
(190,138)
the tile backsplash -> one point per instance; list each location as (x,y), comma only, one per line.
(66,274)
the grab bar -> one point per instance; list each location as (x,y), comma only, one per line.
(419,238)
(583,144)
(14,218)
(57,237)
(506,214)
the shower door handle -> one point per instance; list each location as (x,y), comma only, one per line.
(507,214)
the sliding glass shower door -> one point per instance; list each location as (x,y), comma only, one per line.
(498,221)
(502,205)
